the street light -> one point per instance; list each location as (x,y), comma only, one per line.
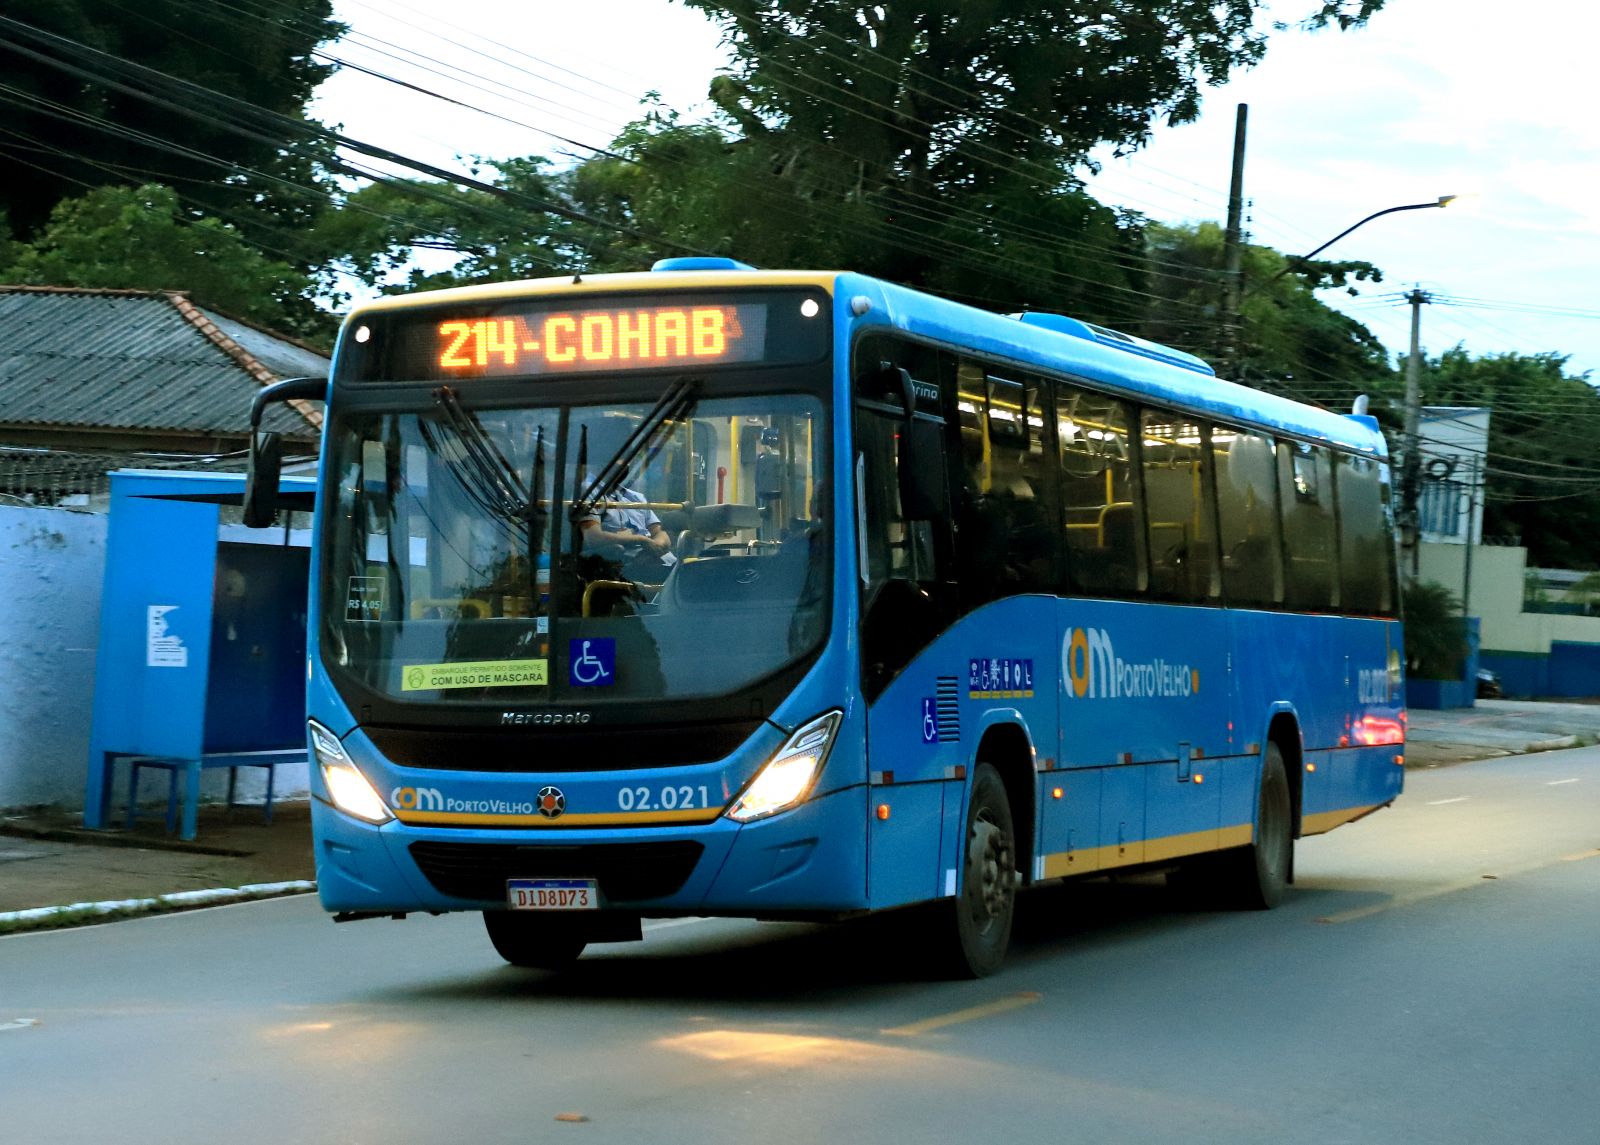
(1442,201)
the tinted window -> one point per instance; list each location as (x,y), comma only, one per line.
(1006,514)
(1099,504)
(1183,565)
(1305,493)
(1366,545)
(1247,511)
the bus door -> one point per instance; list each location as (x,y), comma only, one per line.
(1180,676)
(1270,646)
(914,744)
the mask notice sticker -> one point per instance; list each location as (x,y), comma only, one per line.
(364,600)
(475,674)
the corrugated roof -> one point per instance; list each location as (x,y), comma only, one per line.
(137,360)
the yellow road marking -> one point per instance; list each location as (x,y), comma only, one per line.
(970,1014)
(1449,888)
(1401,900)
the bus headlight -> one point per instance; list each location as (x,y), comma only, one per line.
(347,787)
(787,777)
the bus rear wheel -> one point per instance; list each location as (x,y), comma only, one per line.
(533,941)
(1256,877)
(977,937)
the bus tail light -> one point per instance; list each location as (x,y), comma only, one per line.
(347,787)
(786,778)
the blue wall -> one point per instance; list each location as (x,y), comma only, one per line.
(1439,694)
(1570,671)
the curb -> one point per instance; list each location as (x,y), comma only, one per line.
(77,914)
(1552,744)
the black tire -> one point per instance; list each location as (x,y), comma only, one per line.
(977,926)
(533,941)
(1256,877)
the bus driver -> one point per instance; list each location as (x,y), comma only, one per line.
(646,549)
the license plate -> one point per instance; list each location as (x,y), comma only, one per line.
(552,894)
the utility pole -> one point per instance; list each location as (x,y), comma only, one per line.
(1233,278)
(1466,564)
(1411,462)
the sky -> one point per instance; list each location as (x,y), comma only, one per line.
(1474,98)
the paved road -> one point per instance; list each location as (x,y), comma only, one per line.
(1434,978)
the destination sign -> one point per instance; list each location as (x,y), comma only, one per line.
(565,340)
(531,338)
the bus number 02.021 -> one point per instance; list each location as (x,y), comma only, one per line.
(662,799)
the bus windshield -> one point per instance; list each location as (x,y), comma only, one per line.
(528,555)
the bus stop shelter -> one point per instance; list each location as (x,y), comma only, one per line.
(201,658)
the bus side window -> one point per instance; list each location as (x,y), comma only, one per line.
(906,597)
(1305,492)
(1366,546)
(1183,563)
(1007,508)
(1100,511)
(1247,508)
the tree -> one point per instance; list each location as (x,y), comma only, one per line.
(947,93)
(73,118)
(1436,641)
(482,237)
(141,239)
(936,144)
(1291,343)
(1543,484)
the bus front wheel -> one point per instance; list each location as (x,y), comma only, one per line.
(977,938)
(533,941)
(1256,877)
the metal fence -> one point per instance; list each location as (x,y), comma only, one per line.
(71,479)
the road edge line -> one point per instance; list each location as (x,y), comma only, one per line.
(109,910)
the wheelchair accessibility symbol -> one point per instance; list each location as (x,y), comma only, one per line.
(592,663)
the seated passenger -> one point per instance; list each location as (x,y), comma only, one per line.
(631,536)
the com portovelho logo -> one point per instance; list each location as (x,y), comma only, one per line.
(416,799)
(1091,669)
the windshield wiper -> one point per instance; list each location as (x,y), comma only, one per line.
(671,407)
(496,485)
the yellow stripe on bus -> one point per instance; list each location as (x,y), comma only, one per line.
(1064,863)
(589,819)
(1328,820)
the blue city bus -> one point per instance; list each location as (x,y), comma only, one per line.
(801,595)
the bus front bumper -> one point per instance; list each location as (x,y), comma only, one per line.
(810,859)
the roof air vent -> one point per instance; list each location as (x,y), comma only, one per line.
(699,262)
(1116,339)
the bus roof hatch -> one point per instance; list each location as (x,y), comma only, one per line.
(1116,339)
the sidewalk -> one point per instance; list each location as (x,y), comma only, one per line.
(1497,727)
(49,860)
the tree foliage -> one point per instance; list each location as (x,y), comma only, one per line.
(140,238)
(1543,484)
(73,119)
(386,234)
(1436,638)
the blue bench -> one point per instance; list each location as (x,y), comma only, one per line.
(188,798)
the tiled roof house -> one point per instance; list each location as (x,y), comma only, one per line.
(91,380)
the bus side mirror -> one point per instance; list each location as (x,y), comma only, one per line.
(266,448)
(261,480)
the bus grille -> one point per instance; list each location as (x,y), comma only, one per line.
(625,871)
